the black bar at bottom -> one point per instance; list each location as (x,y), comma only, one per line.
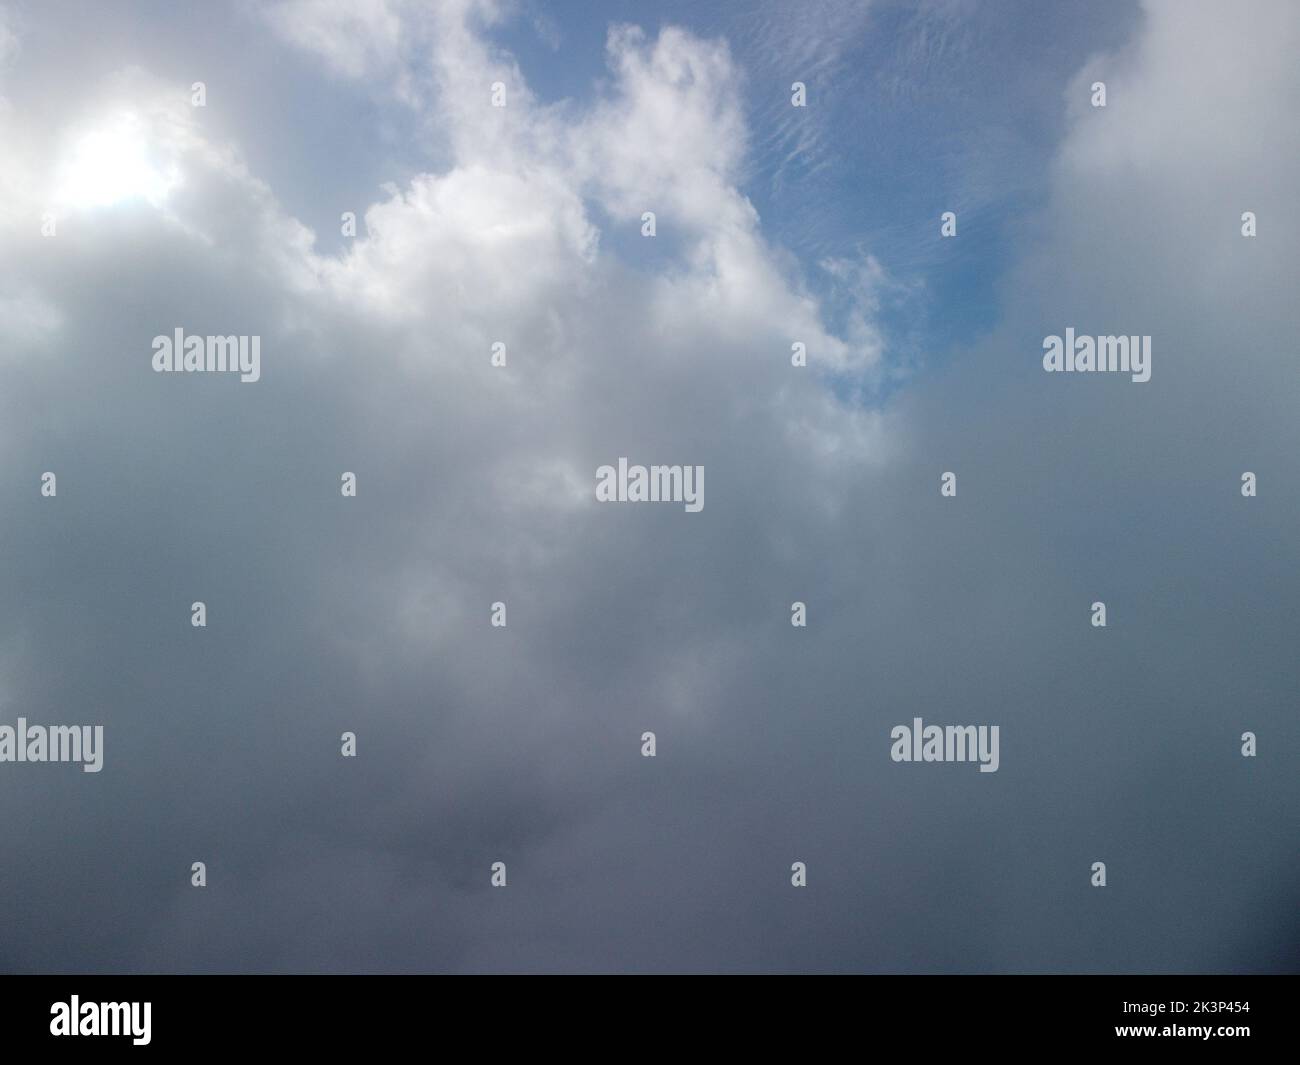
(369,1014)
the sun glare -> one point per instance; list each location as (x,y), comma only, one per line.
(112,163)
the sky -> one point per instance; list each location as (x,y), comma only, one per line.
(127,212)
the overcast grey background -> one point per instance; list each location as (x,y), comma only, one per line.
(522,745)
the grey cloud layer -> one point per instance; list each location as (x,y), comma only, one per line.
(476,485)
